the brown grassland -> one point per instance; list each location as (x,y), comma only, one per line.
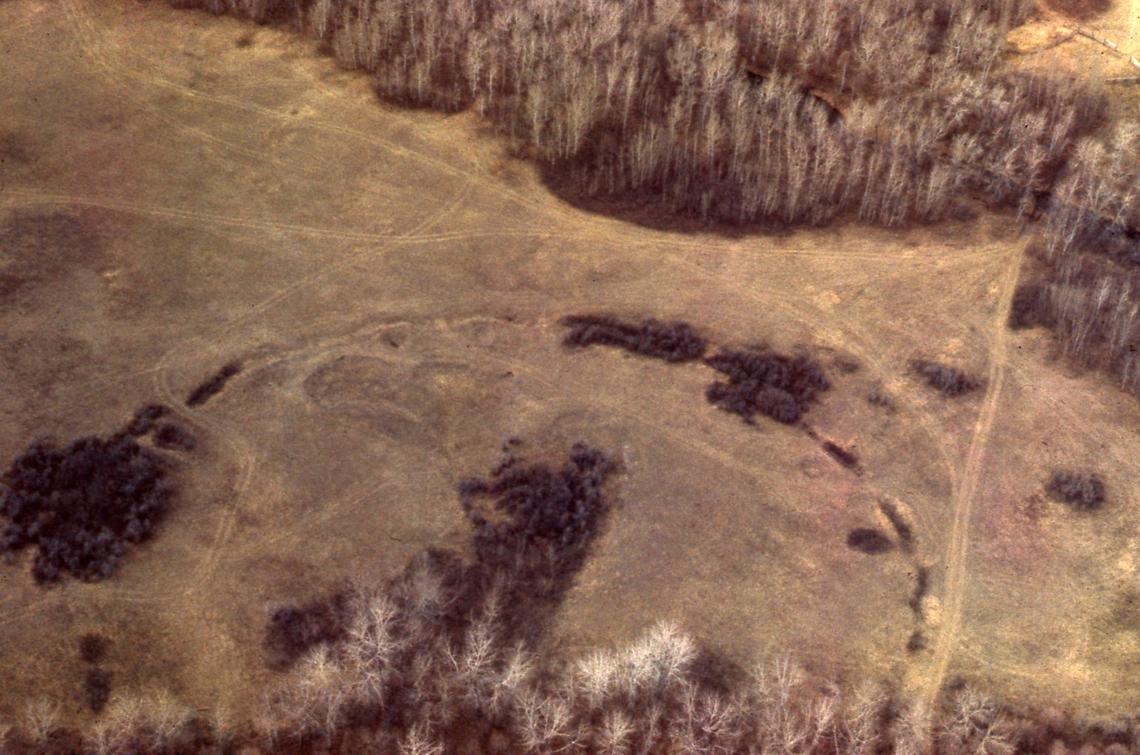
(179,191)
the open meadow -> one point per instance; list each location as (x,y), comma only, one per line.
(180,191)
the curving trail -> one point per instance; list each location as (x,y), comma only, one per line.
(957,548)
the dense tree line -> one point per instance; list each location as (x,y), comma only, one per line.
(747,111)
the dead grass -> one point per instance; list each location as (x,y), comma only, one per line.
(263,206)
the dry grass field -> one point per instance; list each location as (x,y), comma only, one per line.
(179,191)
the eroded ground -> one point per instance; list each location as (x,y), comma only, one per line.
(392,282)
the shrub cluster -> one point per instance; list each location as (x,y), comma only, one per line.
(1030,307)
(1081,490)
(948,380)
(672,341)
(543,520)
(778,386)
(82,505)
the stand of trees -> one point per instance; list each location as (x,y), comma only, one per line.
(746,111)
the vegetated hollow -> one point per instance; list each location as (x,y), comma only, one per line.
(944,378)
(213,385)
(1081,490)
(670,341)
(869,540)
(921,588)
(898,521)
(765,382)
(82,505)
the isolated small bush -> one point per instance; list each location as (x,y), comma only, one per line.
(879,397)
(92,647)
(869,540)
(949,380)
(847,458)
(213,385)
(82,505)
(921,588)
(671,341)
(1082,490)
(97,688)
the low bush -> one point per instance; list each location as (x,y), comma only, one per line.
(213,385)
(671,341)
(172,436)
(144,419)
(869,540)
(921,587)
(880,398)
(762,381)
(92,647)
(83,504)
(1081,490)
(97,688)
(842,455)
(948,380)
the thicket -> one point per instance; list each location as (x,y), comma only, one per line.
(82,505)
(765,382)
(671,341)
(532,528)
